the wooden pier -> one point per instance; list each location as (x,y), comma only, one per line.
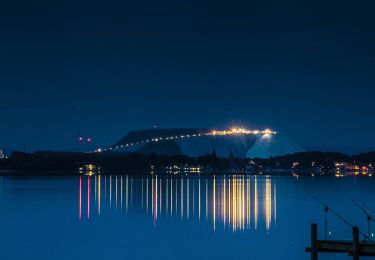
(353,247)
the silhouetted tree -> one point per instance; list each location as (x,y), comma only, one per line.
(214,156)
(231,155)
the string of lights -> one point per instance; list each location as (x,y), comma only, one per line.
(229,132)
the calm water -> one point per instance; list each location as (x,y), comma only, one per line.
(159,217)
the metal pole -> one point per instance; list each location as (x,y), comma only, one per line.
(355,243)
(314,241)
(326,209)
(369,227)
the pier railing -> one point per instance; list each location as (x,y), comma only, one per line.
(354,247)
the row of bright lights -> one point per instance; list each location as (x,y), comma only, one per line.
(241,131)
(232,131)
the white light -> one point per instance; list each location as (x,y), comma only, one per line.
(266,136)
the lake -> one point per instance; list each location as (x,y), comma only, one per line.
(175,217)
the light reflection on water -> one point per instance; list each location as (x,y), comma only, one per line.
(232,202)
(174,217)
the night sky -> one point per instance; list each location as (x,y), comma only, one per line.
(103,68)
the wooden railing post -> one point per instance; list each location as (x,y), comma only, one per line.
(314,241)
(355,243)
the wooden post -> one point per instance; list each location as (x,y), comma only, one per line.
(355,243)
(314,241)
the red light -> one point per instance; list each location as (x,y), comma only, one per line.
(88,139)
(80,139)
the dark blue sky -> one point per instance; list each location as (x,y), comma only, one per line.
(102,68)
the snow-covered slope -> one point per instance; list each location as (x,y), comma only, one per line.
(223,145)
(267,146)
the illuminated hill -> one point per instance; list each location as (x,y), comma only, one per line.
(197,142)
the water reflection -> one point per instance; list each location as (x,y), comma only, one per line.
(228,202)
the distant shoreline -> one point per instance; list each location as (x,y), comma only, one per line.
(16,173)
(69,163)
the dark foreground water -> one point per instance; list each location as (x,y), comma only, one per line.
(159,217)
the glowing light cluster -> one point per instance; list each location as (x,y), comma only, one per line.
(241,131)
(229,132)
